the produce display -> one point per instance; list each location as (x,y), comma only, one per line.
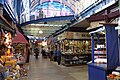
(113,77)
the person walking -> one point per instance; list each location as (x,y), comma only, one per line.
(58,55)
(55,54)
(44,53)
(51,55)
(36,51)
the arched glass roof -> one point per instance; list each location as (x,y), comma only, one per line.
(49,16)
(49,9)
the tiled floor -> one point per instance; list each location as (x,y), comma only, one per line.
(43,69)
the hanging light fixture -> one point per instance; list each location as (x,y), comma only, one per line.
(40,32)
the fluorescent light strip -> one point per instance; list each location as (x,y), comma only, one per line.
(45,25)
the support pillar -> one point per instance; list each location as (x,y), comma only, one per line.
(92,42)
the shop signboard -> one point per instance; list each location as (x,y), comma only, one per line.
(81,35)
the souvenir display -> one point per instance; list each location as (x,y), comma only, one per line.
(10,62)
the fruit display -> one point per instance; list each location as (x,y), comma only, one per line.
(113,77)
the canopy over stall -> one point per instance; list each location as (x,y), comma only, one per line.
(20,38)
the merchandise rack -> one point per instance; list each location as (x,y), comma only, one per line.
(67,59)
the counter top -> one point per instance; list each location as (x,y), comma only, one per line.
(100,66)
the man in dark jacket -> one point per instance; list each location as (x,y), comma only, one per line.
(55,54)
(58,55)
(36,51)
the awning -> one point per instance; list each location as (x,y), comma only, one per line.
(20,38)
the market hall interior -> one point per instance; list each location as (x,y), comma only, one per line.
(59,39)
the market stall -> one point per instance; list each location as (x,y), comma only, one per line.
(20,45)
(8,63)
(75,51)
(100,68)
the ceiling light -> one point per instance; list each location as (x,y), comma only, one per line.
(45,25)
(40,32)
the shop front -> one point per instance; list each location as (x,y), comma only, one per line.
(8,63)
(20,45)
(101,68)
(75,48)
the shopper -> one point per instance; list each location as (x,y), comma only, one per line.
(36,51)
(55,54)
(58,55)
(43,53)
(51,55)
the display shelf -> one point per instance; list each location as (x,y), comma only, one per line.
(100,52)
(75,59)
(75,45)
